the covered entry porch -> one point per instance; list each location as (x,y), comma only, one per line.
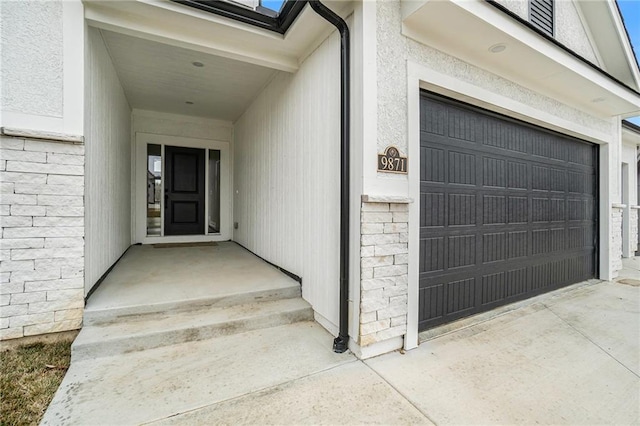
(200,130)
(150,278)
(161,295)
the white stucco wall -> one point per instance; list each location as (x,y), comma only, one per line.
(108,163)
(32,83)
(392,75)
(570,28)
(287,176)
(42,65)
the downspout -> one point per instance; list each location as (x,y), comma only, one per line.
(341,342)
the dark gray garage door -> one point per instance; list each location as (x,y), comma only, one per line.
(507,211)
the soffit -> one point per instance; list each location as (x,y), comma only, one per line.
(183,26)
(468,29)
(161,77)
(153,45)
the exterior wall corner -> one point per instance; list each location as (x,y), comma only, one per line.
(42,255)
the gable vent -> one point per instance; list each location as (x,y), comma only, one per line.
(541,15)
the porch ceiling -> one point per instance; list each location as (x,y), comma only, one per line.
(154,43)
(161,77)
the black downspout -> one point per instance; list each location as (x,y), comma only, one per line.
(340,343)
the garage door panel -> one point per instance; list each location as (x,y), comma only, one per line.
(505,136)
(564,258)
(434,166)
(461,168)
(461,251)
(494,247)
(429,141)
(495,287)
(432,254)
(518,210)
(494,172)
(500,286)
(461,209)
(507,212)
(433,215)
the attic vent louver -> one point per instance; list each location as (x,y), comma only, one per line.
(541,15)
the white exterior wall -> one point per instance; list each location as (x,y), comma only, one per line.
(42,249)
(108,166)
(616,238)
(287,177)
(570,28)
(629,155)
(384,251)
(42,172)
(32,84)
(162,123)
(42,66)
(404,66)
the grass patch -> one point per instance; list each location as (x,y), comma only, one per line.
(30,375)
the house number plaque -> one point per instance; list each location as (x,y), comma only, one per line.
(391,161)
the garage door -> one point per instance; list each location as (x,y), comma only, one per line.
(507,211)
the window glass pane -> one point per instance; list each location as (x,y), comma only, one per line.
(214,191)
(154,189)
(272,4)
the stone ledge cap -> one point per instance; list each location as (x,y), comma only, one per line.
(397,199)
(38,134)
(618,206)
(635,207)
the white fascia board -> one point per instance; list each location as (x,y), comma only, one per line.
(491,16)
(215,19)
(624,41)
(147,28)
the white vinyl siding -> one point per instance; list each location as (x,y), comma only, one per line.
(108,163)
(287,176)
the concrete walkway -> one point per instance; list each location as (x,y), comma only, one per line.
(569,357)
(168,276)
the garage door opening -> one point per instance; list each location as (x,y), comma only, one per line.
(507,210)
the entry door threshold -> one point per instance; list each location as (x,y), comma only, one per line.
(194,244)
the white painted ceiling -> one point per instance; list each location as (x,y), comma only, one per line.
(160,77)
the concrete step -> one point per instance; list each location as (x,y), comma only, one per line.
(107,315)
(152,330)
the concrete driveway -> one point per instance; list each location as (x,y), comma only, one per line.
(571,357)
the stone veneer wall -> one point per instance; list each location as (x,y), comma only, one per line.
(42,245)
(633,227)
(384,271)
(616,238)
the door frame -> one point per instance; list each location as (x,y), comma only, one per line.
(139,208)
